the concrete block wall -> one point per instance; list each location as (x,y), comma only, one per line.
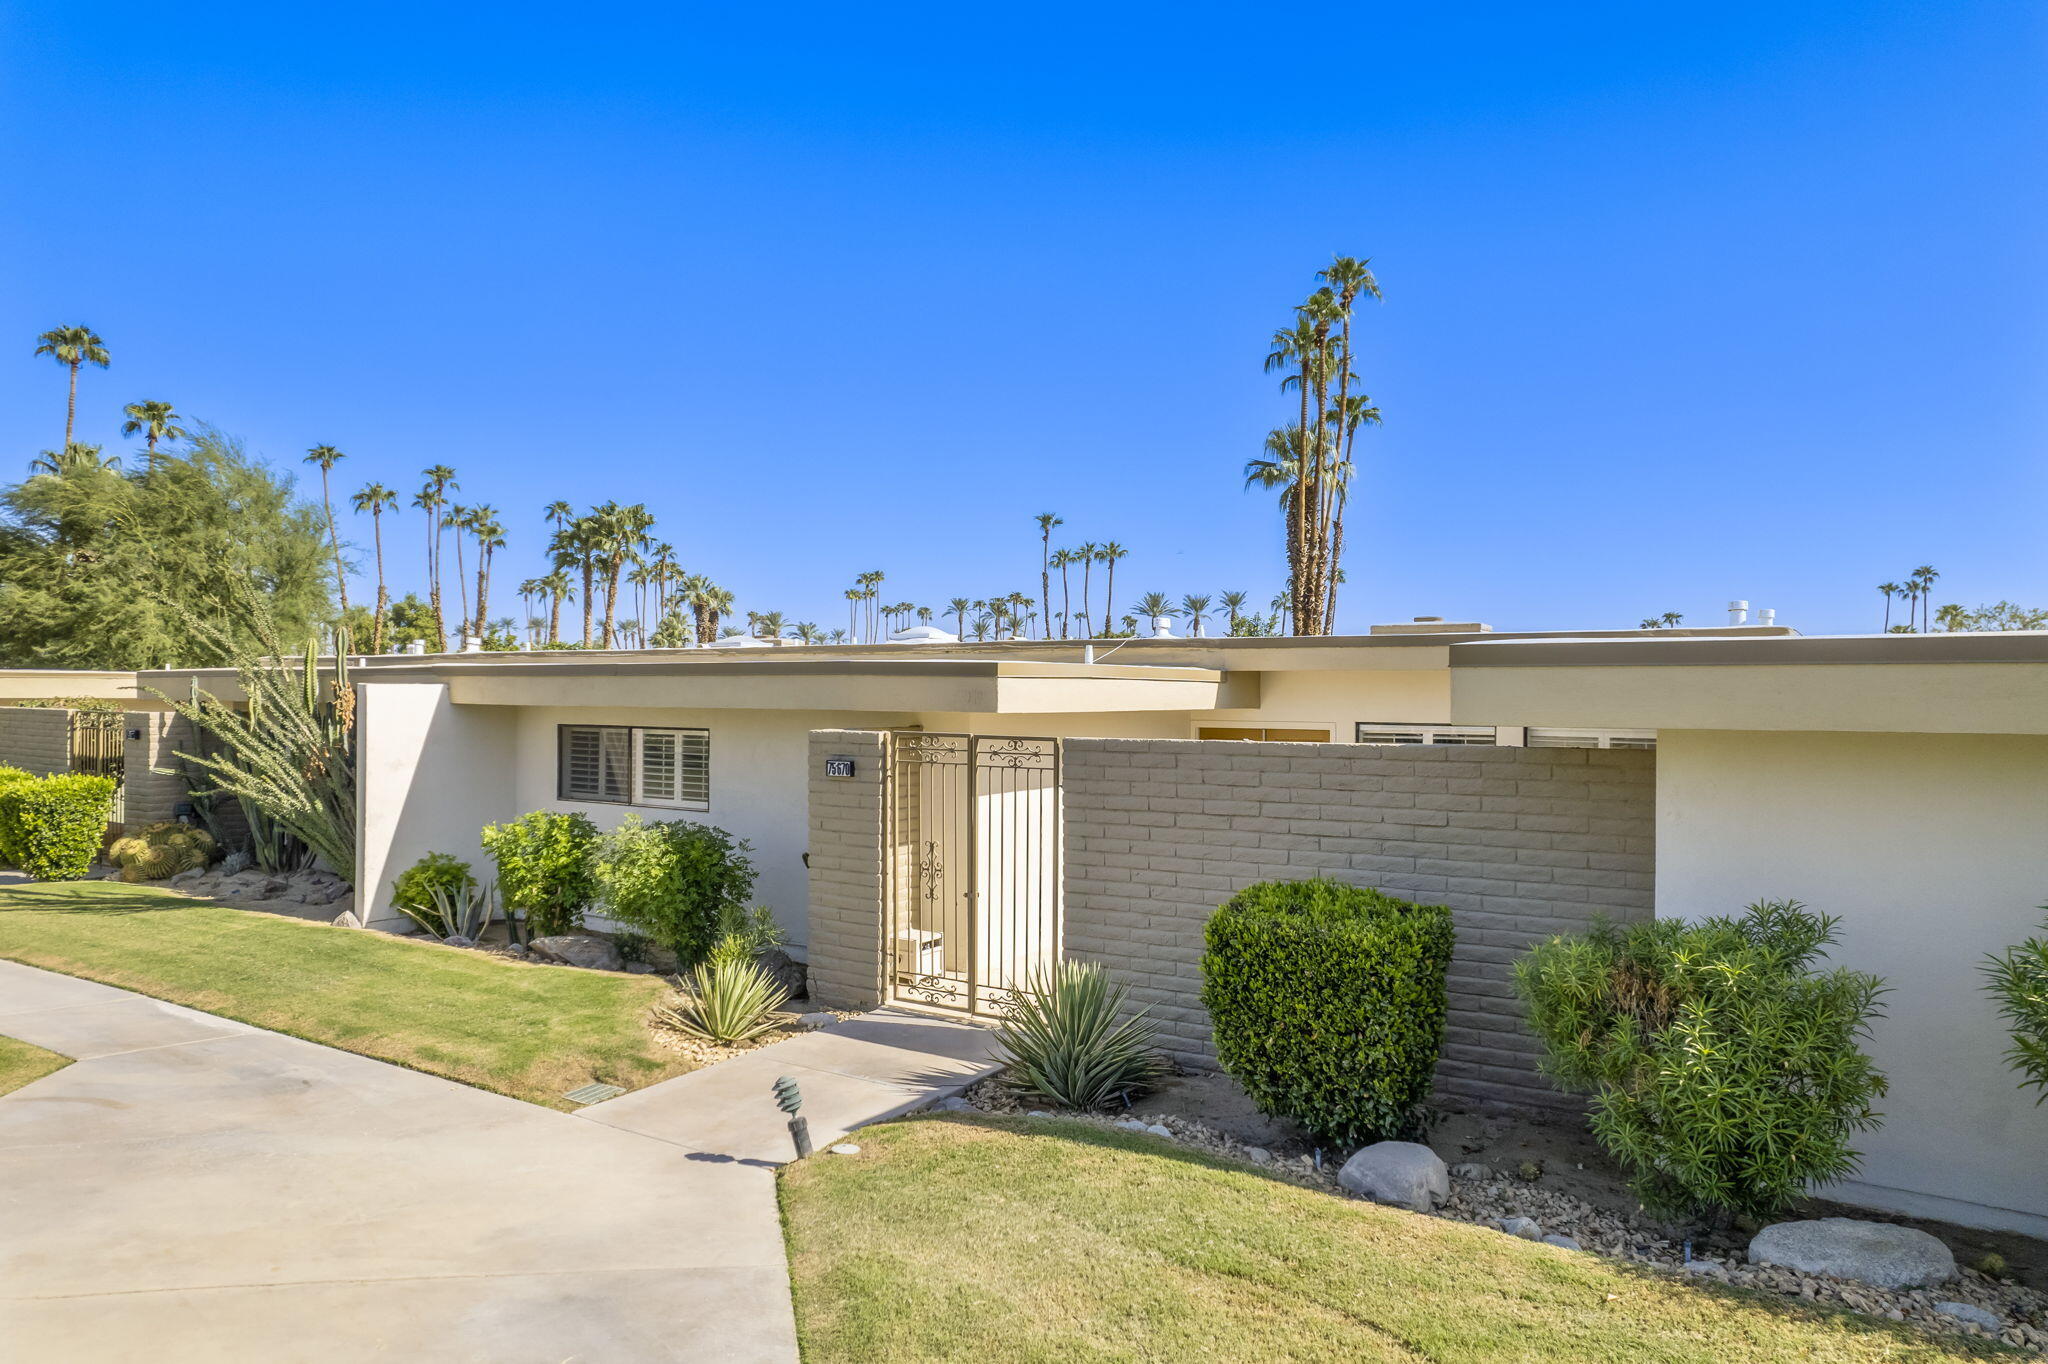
(35,739)
(847,880)
(1521,843)
(148,738)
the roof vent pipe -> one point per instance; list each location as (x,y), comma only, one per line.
(1738,613)
(1087,653)
(1766,615)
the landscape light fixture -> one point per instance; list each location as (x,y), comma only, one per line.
(789,1099)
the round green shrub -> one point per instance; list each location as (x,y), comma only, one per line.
(1725,1069)
(546,867)
(675,881)
(1328,1004)
(52,829)
(414,888)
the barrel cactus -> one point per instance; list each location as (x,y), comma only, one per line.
(161,850)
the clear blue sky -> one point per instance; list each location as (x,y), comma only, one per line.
(1682,302)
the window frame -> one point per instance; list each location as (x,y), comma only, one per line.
(1639,740)
(1328,729)
(1429,729)
(635,755)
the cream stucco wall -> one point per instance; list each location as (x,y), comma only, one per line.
(1933,849)
(1342,699)
(430,775)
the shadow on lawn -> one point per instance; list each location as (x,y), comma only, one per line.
(1087,1134)
(74,897)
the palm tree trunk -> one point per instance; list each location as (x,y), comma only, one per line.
(483,587)
(589,568)
(611,600)
(377,622)
(434,583)
(555,618)
(1088,593)
(1109,593)
(1066,601)
(462,584)
(333,536)
(1045,580)
(71,409)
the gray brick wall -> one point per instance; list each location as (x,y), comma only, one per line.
(35,738)
(1521,843)
(846,873)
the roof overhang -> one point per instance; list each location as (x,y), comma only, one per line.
(1924,684)
(48,684)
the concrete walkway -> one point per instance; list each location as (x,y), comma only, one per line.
(194,1189)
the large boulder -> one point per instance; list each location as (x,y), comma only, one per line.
(1876,1253)
(1404,1174)
(578,949)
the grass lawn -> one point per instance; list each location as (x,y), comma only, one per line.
(1030,1240)
(533,1032)
(20,1063)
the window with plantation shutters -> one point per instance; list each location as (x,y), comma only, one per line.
(1592,738)
(629,765)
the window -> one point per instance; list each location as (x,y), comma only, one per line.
(1278,735)
(1424,734)
(1592,738)
(629,765)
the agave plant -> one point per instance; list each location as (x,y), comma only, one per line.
(458,911)
(728,1000)
(1066,1039)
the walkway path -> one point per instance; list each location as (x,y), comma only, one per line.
(195,1189)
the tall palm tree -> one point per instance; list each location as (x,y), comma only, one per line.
(326,456)
(1346,417)
(432,499)
(805,632)
(490,538)
(1061,559)
(72,347)
(1233,607)
(957,607)
(1924,576)
(376,499)
(1108,555)
(1196,607)
(768,624)
(1352,279)
(459,520)
(1087,553)
(624,535)
(153,422)
(1046,521)
(559,588)
(871,585)
(75,458)
(1282,606)
(1890,590)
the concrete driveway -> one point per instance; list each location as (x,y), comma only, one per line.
(193,1189)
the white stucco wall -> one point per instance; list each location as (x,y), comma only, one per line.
(1933,849)
(430,775)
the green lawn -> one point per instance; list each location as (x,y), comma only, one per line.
(1055,1242)
(533,1032)
(20,1063)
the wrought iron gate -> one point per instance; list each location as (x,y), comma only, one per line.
(97,751)
(974,868)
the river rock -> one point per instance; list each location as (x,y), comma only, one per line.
(1976,1316)
(578,949)
(1403,1174)
(1876,1253)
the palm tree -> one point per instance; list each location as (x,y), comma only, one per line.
(1346,417)
(870,584)
(1088,556)
(1924,577)
(431,499)
(155,422)
(1233,606)
(1046,521)
(767,624)
(1952,617)
(559,588)
(72,347)
(74,459)
(490,538)
(1155,606)
(459,518)
(1890,590)
(806,632)
(1061,558)
(1282,606)
(326,456)
(376,499)
(1196,608)
(1351,278)
(1108,555)
(957,608)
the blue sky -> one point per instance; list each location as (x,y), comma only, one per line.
(1682,302)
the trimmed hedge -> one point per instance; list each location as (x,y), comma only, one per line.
(1328,1004)
(53,828)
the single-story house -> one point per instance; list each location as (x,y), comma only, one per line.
(930,820)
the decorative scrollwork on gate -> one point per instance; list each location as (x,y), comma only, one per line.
(1034,754)
(931,872)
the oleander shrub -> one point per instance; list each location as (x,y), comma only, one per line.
(413,892)
(675,881)
(1725,1067)
(2018,979)
(1328,1002)
(161,849)
(546,867)
(1070,1039)
(53,828)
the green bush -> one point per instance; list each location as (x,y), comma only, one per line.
(675,881)
(412,894)
(10,776)
(52,829)
(545,868)
(1725,1070)
(1067,1040)
(1328,1004)
(2018,980)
